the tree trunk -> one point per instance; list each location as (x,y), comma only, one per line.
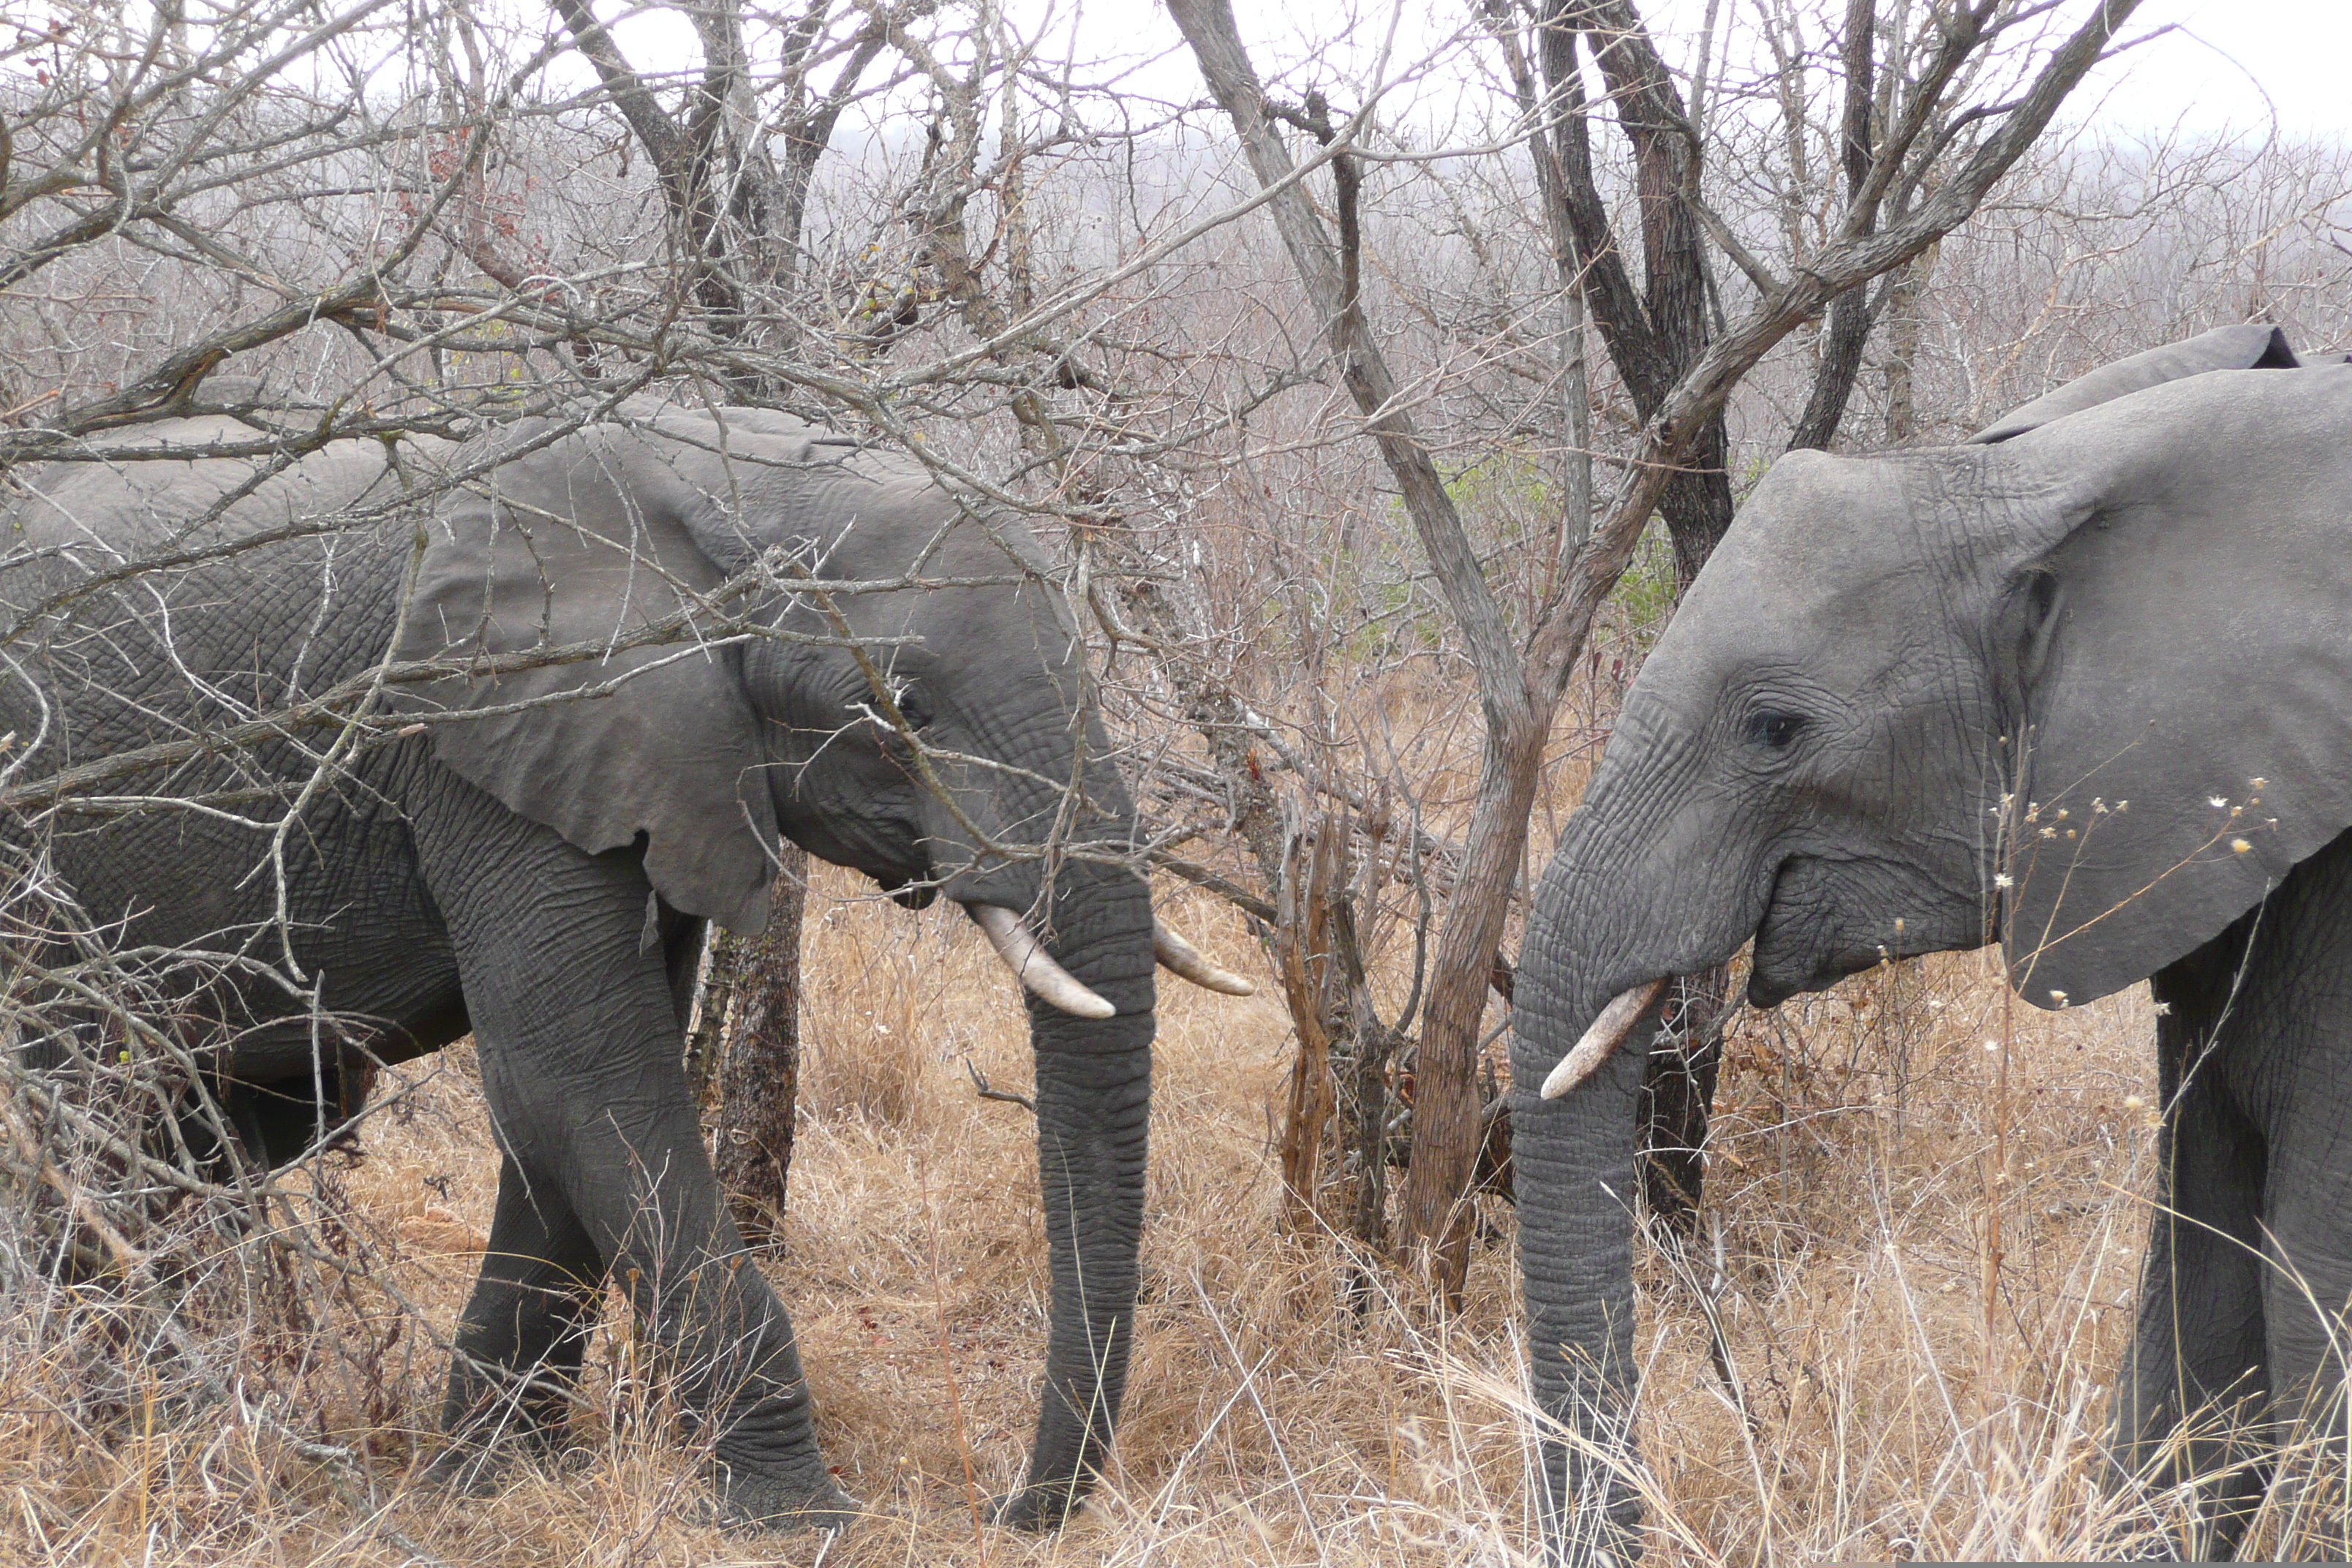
(1436,1202)
(1903,347)
(1849,313)
(757,1066)
(1315,875)
(1677,1095)
(1655,336)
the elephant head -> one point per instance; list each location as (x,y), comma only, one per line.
(691,630)
(2082,685)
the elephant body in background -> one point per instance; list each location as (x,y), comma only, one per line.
(2081,685)
(526,844)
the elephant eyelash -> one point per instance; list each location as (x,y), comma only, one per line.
(1775,730)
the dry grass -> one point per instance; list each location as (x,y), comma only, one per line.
(1887,1417)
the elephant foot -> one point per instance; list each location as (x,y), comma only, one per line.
(468,1470)
(474,1459)
(751,1501)
(1037,1508)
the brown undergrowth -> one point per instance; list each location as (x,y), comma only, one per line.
(1881,1389)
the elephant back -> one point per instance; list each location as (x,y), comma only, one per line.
(152,598)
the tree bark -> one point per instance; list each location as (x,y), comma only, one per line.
(1902,313)
(758,1070)
(1653,336)
(1679,1096)
(1851,317)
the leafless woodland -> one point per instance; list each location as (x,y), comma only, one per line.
(1378,395)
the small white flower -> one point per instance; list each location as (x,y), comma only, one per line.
(2134,1102)
(2259,783)
(2164,1009)
(2058,998)
(2239,846)
(2218,802)
(2003,880)
(1992,1045)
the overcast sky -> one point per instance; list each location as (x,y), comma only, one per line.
(2234,65)
(2230,63)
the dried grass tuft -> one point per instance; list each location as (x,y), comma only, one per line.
(1872,1411)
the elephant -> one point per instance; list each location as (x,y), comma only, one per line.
(2080,685)
(575,678)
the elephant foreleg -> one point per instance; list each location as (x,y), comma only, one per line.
(577,1022)
(2308,1288)
(2193,1385)
(519,1341)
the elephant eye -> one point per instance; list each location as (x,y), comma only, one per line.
(1774,730)
(916,710)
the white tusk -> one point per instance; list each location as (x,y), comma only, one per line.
(1026,957)
(1184,959)
(1602,1040)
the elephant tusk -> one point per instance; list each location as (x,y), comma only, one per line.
(1183,959)
(1602,1040)
(1026,957)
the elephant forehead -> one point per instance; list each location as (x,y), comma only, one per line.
(1777,601)
(1822,525)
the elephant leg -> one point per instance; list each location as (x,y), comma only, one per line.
(521,1337)
(2307,1292)
(577,1023)
(2198,1356)
(2308,1313)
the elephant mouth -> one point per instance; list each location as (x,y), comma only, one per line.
(1823,921)
(1795,950)
(1769,986)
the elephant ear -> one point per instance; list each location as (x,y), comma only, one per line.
(2223,348)
(2179,639)
(580,543)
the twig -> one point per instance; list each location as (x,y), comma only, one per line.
(980,1086)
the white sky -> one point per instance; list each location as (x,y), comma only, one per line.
(2243,66)
(2230,63)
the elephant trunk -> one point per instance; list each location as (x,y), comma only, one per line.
(1623,904)
(1572,1160)
(1094,1101)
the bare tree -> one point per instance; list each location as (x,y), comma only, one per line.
(1521,680)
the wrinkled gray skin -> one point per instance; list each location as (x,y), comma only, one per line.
(543,878)
(1901,679)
